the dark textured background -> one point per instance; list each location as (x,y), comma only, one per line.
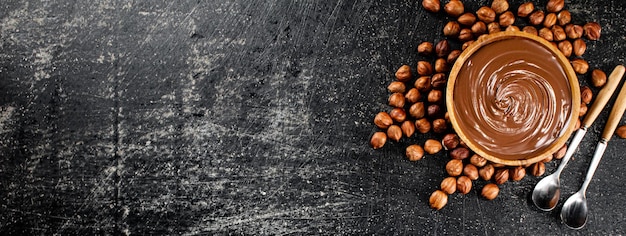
(245,117)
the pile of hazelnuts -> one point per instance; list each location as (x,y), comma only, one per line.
(417,94)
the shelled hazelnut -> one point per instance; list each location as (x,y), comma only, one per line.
(408,128)
(592,30)
(432,146)
(383,120)
(467,43)
(506,19)
(439,126)
(583,110)
(424,68)
(394,133)
(538,169)
(546,34)
(417,110)
(454,167)
(466,35)
(530,29)
(438,81)
(467,19)
(517,173)
(490,191)
(451,29)
(564,17)
(431,5)
(471,171)
(586,95)
(621,131)
(459,153)
(450,141)
(525,9)
(396,100)
(536,18)
(486,172)
(559,33)
(479,28)
(403,73)
(414,152)
(452,56)
(433,110)
(378,140)
(574,31)
(478,160)
(565,47)
(598,78)
(501,176)
(454,8)
(412,96)
(580,47)
(438,199)
(500,6)
(493,27)
(397,114)
(441,65)
(580,66)
(396,87)
(425,48)
(486,14)
(512,28)
(448,185)
(422,84)
(560,153)
(463,184)
(442,48)
(422,125)
(555,5)
(549,20)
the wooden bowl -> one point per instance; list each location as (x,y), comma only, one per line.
(564,130)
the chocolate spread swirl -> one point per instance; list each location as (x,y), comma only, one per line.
(513,97)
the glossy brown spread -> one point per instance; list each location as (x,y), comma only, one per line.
(513,98)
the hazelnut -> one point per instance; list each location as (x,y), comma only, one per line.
(549,20)
(555,5)
(396,100)
(621,131)
(478,160)
(383,120)
(452,56)
(471,171)
(479,28)
(493,27)
(586,95)
(579,47)
(465,35)
(565,47)
(500,6)
(398,114)
(598,78)
(435,96)
(423,83)
(433,110)
(467,44)
(525,9)
(403,73)
(446,116)
(425,48)
(501,176)
(530,29)
(512,28)
(486,172)
(564,17)
(439,126)
(396,87)
(451,29)
(459,153)
(414,152)
(577,126)
(438,200)
(559,33)
(431,5)
(548,158)
(517,173)
(574,31)
(438,81)
(583,110)
(538,169)
(422,125)
(592,30)
(442,48)
(412,96)
(394,133)
(441,65)
(546,34)
(454,8)
(417,110)
(536,18)
(378,140)
(408,128)
(432,146)
(450,141)
(506,19)
(486,14)
(560,153)
(490,191)
(454,167)
(580,66)
(467,19)
(448,185)
(463,184)
(424,68)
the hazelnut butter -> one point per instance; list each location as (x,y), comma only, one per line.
(513,97)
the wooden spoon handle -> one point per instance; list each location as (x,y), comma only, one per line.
(604,95)
(616,114)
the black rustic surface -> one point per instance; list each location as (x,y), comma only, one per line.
(246,117)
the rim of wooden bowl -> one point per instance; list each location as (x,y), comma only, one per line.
(569,72)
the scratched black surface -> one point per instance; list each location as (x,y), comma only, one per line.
(245,117)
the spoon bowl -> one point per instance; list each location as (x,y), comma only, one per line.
(547,192)
(574,212)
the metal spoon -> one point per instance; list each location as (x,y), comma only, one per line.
(574,212)
(547,191)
